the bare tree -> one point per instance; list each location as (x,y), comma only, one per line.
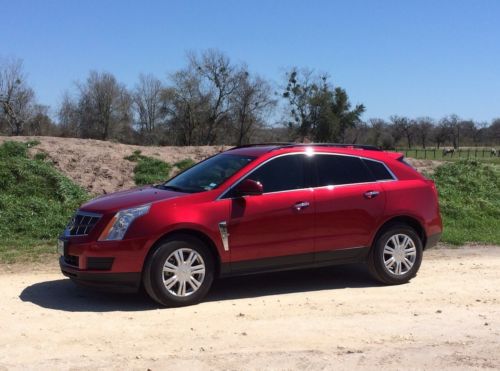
(187,106)
(101,110)
(250,102)
(16,97)
(452,125)
(377,127)
(219,79)
(403,127)
(147,103)
(69,117)
(40,123)
(424,126)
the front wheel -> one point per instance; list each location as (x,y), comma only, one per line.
(396,255)
(179,272)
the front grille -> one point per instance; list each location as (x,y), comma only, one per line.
(82,223)
(71,260)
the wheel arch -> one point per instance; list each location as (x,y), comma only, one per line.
(193,233)
(403,219)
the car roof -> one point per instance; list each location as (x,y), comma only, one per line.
(258,150)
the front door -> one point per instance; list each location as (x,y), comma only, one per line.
(275,229)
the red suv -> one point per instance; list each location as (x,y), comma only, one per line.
(252,209)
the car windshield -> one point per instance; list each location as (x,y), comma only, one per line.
(208,174)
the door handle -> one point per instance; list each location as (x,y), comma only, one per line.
(371,194)
(301,205)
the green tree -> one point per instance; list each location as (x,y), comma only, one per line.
(318,110)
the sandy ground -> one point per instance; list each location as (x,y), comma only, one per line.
(100,167)
(332,318)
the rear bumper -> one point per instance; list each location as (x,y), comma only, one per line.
(432,240)
(123,282)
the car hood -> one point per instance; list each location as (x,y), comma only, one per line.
(126,199)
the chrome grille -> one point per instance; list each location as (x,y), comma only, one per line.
(82,223)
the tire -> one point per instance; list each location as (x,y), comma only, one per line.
(406,255)
(184,282)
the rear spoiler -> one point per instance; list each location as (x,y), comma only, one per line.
(396,155)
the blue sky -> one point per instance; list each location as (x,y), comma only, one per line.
(410,58)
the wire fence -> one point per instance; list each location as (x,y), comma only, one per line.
(487,154)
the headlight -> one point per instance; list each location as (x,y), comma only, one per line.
(119,224)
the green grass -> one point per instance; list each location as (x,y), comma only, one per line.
(149,170)
(184,164)
(36,202)
(469,195)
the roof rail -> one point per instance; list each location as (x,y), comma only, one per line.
(340,145)
(291,144)
(278,144)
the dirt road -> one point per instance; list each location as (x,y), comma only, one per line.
(446,318)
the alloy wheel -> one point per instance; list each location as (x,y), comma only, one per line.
(399,254)
(183,272)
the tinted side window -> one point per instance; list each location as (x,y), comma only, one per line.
(333,170)
(281,174)
(378,170)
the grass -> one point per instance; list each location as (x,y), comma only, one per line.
(469,195)
(149,170)
(36,202)
(184,164)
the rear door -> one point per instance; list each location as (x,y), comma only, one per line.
(349,205)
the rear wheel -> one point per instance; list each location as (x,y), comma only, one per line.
(179,272)
(396,255)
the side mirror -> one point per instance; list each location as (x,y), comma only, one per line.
(249,187)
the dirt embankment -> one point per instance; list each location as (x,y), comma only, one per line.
(447,318)
(100,167)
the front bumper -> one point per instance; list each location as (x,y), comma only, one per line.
(113,265)
(123,281)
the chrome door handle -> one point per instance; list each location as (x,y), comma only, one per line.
(301,205)
(371,194)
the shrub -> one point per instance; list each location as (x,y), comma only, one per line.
(36,202)
(469,194)
(149,170)
(184,164)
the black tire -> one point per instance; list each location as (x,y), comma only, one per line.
(153,276)
(376,261)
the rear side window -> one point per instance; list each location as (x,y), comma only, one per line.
(281,174)
(333,170)
(378,170)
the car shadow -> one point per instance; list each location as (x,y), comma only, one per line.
(64,295)
(293,281)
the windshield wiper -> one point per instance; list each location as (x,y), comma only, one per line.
(172,188)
